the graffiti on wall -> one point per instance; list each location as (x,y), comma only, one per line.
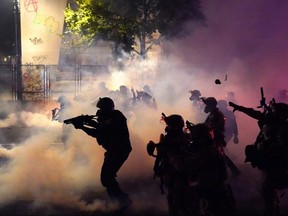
(31,5)
(41,29)
(36,41)
(39,59)
(33,85)
(49,22)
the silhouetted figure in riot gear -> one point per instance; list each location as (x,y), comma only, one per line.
(282,96)
(111,132)
(195,97)
(124,98)
(147,89)
(230,96)
(211,195)
(197,105)
(231,127)
(216,120)
(144,98)
(270,150)
(60,114)
(170,145)
(193,171)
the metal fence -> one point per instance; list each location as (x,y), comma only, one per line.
(41,82)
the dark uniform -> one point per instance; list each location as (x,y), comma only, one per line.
(112,134)
(168,149)
(269,152)
(231,131)
(231,127)
(193,171)
(211,195)
(216,121)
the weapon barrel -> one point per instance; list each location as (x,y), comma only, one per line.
(71,120)
(263,99)
(262,92)
(81,118)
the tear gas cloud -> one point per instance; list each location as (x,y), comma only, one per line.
(242,45)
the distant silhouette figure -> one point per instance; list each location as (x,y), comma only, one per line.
(197,106)
(216,120)
(231,127)
(230,96)
(282,96)
(60,114)
(142,97)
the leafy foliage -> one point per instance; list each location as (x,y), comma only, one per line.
(126,22)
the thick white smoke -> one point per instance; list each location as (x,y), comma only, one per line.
(243,45)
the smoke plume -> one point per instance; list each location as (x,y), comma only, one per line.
(243,45)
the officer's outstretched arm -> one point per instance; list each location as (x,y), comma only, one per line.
(89,131)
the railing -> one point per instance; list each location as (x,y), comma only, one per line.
(41,82)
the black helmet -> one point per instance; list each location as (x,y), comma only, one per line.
(195,93)
(175,121)
(146,88)
(105,103)
(61,99)
(123,88)
(280,110)
(202,133)
(210,101)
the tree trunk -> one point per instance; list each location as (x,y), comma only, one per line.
(143,46)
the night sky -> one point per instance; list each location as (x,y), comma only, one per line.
(244,38)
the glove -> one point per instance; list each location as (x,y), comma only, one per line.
(150,148)
(235,106)
(78,125)
(235,139)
